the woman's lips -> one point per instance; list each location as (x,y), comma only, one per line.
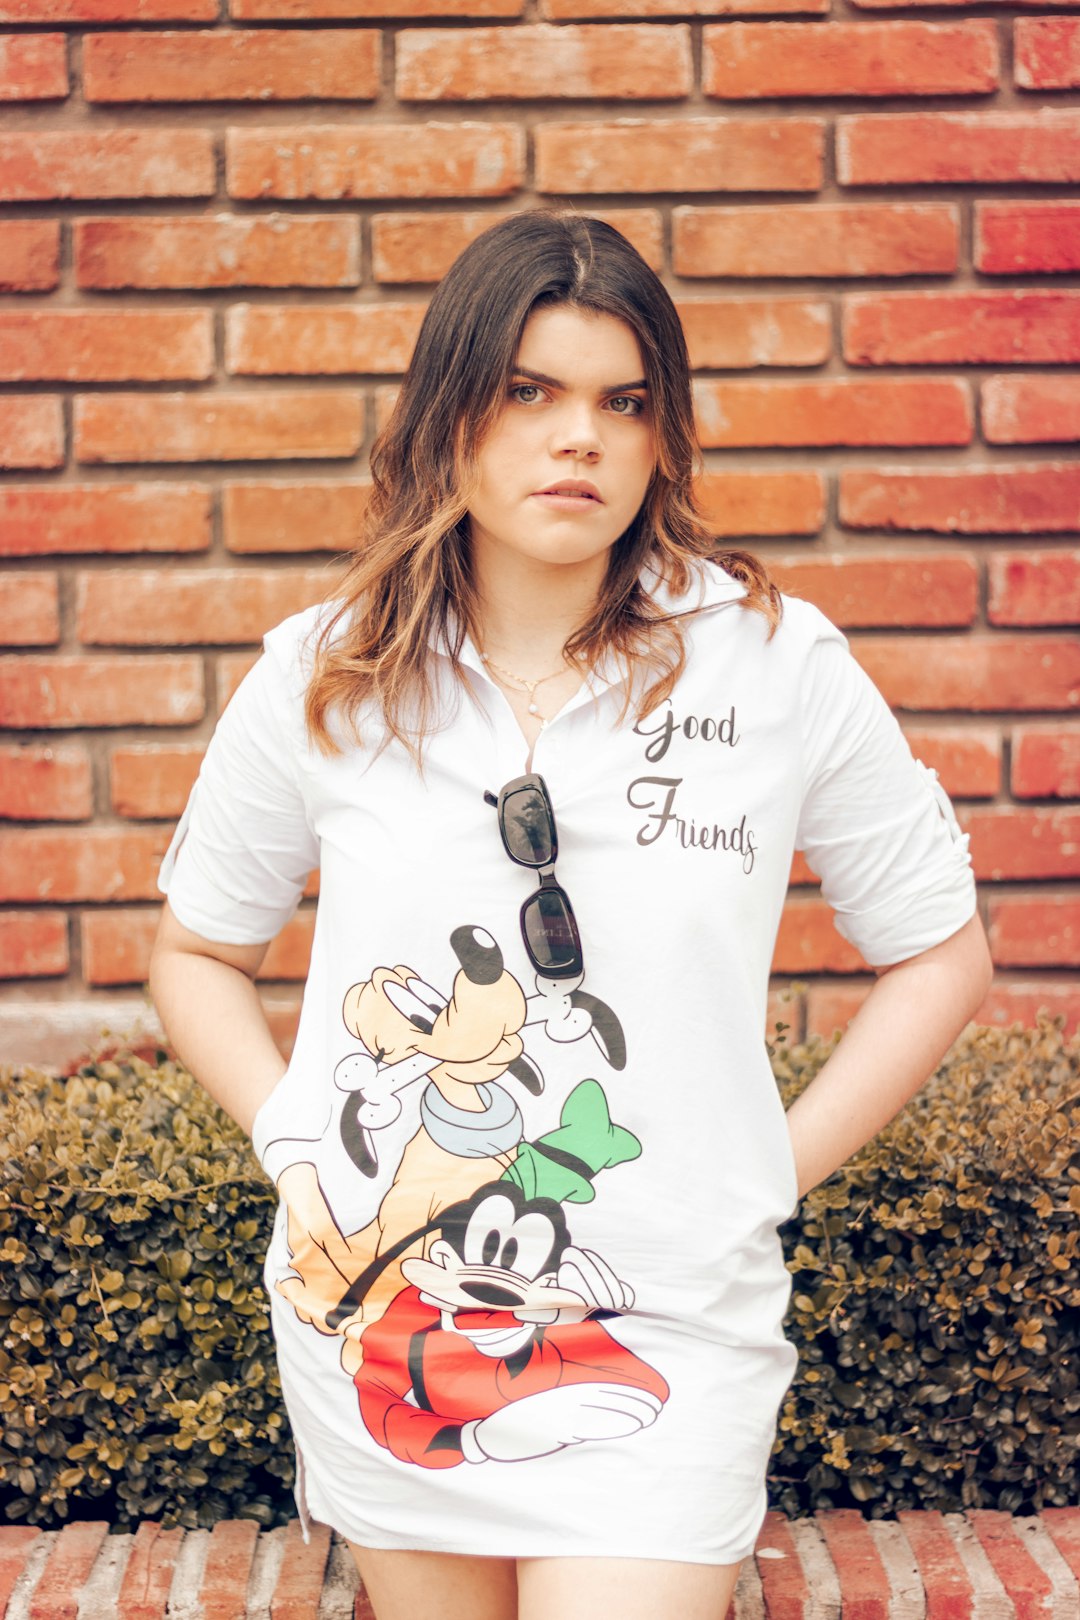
(567,503)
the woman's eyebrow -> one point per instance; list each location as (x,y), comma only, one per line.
(613,388)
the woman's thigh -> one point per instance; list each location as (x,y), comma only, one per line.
(436,1586)
(632,1588)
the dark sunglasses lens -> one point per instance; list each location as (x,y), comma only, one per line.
(527,827)
(551,931)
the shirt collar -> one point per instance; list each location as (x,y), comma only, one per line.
(710,587)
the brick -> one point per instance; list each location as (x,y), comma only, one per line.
(462,159)
(270,64)
(1046,53)
(39,519)
(931,328)
(236,426)
(747,332)
(864,1581)
(1025,498)
(883,149)
(148,1573)
(43,165)
(1013,1001)
(303,1569)
(106,346)
(196,606)
(1045,763)
(747,60)
(892,5)
(33,67)
(854,239)
(774,502)
(1034,930)
(73,12)
(67,690)
(422,247)
(785,1588)
(275,514)
(94,863)
(921,589)
(153,779)
(320,340)
(539,61)
(978,673)
(31,430)
(223,1589)
(29,255)
(846,411)
(687,154)
(71,1558)
(1063,1526)
(967,759)
(1026,238)
(301,10)
(945,1579)
(46,783)
(1028,1585)
(115,949)
(1030,410)
(29,610)
(1012,843)
(33,945)
(1034,587)
(807,941)
(385,398)
(17,1543)
(223,250)
(562,10)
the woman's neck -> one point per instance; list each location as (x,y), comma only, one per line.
(528,613)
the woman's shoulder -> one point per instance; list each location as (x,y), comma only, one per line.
(801,624)
(291,642)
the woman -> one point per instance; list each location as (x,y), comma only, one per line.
(552,750)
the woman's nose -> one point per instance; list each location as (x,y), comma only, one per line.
(576,433)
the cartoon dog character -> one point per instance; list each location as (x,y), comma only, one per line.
(470,1127)
(495,1352)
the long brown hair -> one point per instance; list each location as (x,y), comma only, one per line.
(412,558)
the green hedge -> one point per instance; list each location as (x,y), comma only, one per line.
(935,1302)
(936,1293)
(137,1369)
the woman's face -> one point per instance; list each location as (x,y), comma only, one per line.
(576,413)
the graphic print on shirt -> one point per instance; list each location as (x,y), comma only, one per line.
(471,1323)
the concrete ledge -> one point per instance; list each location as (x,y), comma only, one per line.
(978,1565)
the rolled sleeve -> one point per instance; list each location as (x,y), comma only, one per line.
(243,848)
(875,824)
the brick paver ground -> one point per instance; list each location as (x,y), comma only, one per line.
(978,1565)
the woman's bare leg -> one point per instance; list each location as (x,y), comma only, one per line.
(632,1588)
(436,1586)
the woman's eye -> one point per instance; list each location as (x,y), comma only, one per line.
(519,389)
(634,406)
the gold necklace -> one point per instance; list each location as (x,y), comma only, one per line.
(530,685)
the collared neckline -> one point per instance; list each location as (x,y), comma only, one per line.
(710,586)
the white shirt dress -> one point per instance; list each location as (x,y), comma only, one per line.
(526,1280)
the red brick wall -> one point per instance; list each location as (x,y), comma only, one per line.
(218,229)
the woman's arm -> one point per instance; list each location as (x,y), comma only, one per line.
(206,996)
(891,1047)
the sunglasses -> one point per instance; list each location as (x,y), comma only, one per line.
(548,926)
